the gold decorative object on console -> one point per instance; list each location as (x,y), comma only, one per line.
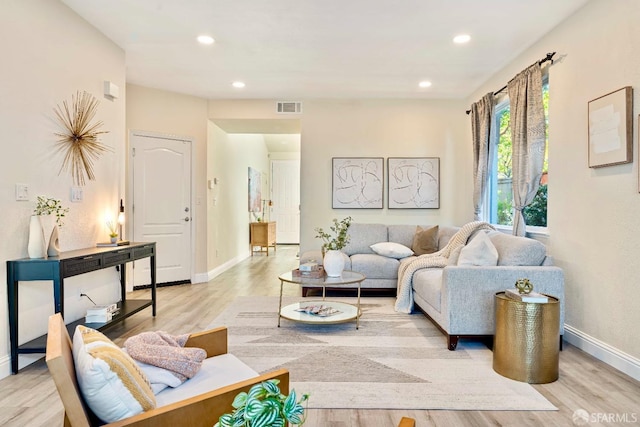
(79,141)
(527,339)
(524,286)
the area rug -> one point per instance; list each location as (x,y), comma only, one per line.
(394,361)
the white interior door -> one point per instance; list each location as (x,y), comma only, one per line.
(162,205)
(285,194)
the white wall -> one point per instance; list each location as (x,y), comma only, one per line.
(383,128)
(171,113)
(592,213)
(49,53)
(229,157)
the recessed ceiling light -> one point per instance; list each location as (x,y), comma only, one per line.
(425,84)
(462,38)
(205,39)
(238,85)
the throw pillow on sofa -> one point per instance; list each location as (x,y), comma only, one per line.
(479,252)
(391,250)
(516,250)
(425,241)
(112,384)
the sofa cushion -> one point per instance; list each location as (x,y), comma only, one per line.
(454,255)
(425,241)
(479,252)
(427,283)
(516,250)
(403,233)
(392,250)
(445,233)
(375,266)
(215,373)
(362,236)
(111,382)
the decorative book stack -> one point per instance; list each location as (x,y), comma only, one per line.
(530,297)
(101,313)
(309,269)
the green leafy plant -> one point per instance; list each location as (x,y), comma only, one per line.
(265,406)
(113,228)
(339,238)
(48,206)
(536,212)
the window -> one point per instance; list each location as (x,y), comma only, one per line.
(500,194)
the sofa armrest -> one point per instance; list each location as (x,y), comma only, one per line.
(468,293)
(213,341)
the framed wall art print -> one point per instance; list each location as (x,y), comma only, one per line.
(414,182)
(357,182)
(611,129)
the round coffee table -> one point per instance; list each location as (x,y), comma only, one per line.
(347,312)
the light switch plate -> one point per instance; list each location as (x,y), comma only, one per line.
(76,194)
(22,192)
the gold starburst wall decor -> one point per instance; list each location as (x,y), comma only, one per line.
(79,141)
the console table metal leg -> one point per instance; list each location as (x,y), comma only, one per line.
(280,304)
(358,309)
(12,293)
(152,264)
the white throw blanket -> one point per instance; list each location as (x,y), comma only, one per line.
(408,266)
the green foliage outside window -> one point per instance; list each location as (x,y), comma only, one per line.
(536,213)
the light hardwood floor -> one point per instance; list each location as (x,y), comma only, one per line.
(30,398)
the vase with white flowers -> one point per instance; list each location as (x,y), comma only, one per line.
(47,216)
(333,259)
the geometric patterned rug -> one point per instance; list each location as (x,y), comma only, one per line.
(394,361)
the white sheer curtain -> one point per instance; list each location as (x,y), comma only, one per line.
(481,121)
(527,138)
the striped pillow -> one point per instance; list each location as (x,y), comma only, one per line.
(112,384)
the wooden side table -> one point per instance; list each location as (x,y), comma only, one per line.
(263,235)
(527,339)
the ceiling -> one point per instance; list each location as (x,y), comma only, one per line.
(303,49)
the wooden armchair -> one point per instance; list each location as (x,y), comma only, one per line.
(202,410)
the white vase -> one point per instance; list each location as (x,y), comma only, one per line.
(333,263)
(36,247)
(54,241)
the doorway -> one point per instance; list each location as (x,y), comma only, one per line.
(162,211)
(285,197)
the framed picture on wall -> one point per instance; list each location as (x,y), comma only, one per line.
(255,190)
(611,129)
(357,182)
(414,182)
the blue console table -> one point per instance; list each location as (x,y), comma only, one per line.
(68,264)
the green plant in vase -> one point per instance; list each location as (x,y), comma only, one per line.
(265,406)
(50,206)
(338,239)
(113,230)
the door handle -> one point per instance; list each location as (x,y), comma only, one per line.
(187,219)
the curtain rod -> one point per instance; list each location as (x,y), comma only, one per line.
(549,57)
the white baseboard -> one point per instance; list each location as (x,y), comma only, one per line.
(226,266)
(5,366)
(603,351)
(24,360)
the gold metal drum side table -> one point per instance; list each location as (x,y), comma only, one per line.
(527,339)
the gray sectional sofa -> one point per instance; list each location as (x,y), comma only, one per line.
(459,299)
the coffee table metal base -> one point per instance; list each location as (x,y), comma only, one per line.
(348,312)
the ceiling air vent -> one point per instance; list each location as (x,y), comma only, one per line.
(289,107)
